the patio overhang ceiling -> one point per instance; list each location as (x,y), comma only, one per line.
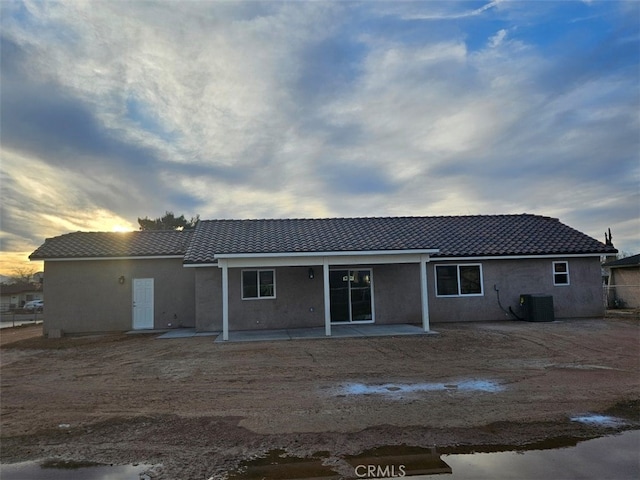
(293,259)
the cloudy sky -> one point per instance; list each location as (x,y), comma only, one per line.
(117,110)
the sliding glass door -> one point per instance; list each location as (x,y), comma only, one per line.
(351,295)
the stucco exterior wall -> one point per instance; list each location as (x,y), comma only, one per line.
(581,298)
(208,299)
(85,296)
(396,293)
(298,301)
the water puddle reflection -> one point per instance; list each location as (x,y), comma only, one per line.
(71,470)
(278,465)
(400,388)
(397,461)
(606,457)
(600,420)
(615,456)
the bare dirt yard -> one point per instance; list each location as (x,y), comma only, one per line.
(196,409)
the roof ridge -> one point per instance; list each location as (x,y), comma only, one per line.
(121,233)
(480,215)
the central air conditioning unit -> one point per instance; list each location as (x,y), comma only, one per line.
(537,308)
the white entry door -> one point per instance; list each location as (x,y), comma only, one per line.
(142,303)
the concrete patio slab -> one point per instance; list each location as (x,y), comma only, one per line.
(337,331)
(186,333)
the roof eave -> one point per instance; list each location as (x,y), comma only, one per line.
(516,256)
(129,257)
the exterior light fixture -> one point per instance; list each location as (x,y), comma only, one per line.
(121,280)
(311,273)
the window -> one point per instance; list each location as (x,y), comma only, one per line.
(561,273)
(456,280)
(258,284)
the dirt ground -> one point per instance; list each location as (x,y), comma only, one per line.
(196,409)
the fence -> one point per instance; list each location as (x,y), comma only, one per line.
(621,296)
(15,318)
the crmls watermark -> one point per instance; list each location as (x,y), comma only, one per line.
(380,471)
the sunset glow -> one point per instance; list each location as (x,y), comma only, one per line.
(121,229)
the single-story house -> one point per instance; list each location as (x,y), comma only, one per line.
(286,273)
(13,296)
(623,289)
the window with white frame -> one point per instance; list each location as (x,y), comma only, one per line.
(258,284)
(561,273)
(458,280)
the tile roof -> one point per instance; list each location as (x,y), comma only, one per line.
(632,261)
(454,236)
(114,244)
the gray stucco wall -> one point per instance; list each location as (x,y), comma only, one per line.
(85,296)
(208,298)
(397,294)
(581,298)
(299,301)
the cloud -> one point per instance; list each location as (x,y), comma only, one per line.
(234,109)
(498,38)
(451,11)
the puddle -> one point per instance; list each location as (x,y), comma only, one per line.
(278,465)
(601,420)
(397,461)
(55,469)
(399,388)
(606,457)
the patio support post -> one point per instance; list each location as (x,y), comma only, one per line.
(225,299)
(424,292)
(327,297)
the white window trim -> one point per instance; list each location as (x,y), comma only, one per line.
(554,273)
(257,270)
(458,265)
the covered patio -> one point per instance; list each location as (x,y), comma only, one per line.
(326,261)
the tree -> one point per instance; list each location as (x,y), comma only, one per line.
(168,222)
(23,274)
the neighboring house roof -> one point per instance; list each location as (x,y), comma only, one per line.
(114,244)
(16,288)
(632,261)
(453,236)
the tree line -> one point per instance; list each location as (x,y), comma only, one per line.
(168,222)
